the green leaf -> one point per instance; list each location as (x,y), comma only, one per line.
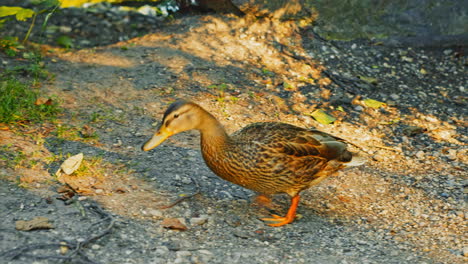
(28,55)
(288,86)
(45,3)
(21,13)
(370,80)
(65,42)
(374,103)
(322,117)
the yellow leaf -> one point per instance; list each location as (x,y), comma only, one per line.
(322,117)
(374,103)
(21,13)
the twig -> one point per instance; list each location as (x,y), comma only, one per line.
(183,197)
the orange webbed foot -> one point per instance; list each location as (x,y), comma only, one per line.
(290,216)
(281,221)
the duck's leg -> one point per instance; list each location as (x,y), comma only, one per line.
(290,216)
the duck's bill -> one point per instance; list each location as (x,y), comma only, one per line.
(157,139)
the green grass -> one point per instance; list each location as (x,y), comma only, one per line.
(11,158)
(18,103)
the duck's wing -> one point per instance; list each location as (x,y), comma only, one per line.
(293,141)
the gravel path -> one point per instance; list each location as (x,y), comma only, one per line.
(406,205)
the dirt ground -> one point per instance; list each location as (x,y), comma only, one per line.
(405,205)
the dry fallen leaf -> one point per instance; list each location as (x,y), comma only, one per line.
(66,191)
(39,222)
(88,131)
(63,248)
(43,101)
(173,223)
(71,164)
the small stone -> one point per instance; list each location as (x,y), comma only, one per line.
(162,251)
(181,261)
(205,256)
(358,108)
(445,195)
(465,251)
(183,254)
(434,218)
(407,59)
(241,234)
(431,119)
(452,154)
(155,213)
(395,97)
(329,206)
(448,52)
(199,220)
(186,180)
(420,154)
(205,252)
(95,247)
(65,29)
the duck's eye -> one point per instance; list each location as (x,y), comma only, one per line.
(176,116)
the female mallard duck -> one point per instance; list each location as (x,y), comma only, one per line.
(268,158)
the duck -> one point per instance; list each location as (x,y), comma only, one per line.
(266,157)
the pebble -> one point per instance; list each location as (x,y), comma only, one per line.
(155,213)
(434,218)
(452,154)
(186,180)
(95,246)
(420,154)
(358,108)
(198,220)
(183,254)
(162,251)
(204,256)
(407,59)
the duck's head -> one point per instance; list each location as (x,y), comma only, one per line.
(179,117)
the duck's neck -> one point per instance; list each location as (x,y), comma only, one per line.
(212,132)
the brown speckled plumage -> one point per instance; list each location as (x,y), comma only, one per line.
(268,158)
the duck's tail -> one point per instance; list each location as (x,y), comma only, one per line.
(357,160)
